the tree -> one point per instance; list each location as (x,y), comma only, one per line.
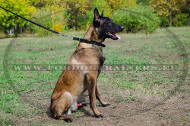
(188,8)
(165,7)
(19,7)
(185,8)
(76,12)
(118,4)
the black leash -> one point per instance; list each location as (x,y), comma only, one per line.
(74,38)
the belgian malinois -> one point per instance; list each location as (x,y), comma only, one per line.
(73,83)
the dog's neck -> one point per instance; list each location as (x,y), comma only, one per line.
(91,35)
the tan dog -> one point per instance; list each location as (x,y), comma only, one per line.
(73,83)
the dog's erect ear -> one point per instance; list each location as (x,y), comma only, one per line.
(102,14)
(96,21)
(96,15)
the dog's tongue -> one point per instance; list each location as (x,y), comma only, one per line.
(117,36)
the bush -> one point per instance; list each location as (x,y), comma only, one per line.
(180,19)
(164,21)
(137,19)
(2,34)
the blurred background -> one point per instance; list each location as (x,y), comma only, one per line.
(71,15)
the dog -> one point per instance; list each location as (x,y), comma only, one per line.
(73,83)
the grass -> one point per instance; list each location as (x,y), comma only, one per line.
(35,87)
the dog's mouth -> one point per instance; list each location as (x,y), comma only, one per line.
(113,36)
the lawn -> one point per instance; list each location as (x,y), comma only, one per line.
(138,96)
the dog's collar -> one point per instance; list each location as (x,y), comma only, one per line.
(90,42)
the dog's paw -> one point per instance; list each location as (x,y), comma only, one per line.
(105,105)
(99,116)
(68,120)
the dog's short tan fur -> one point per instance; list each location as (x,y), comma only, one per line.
(72,83)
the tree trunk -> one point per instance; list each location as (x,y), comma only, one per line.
(16,25)
(21,29)
(188,23)
(170,16)
(16,28)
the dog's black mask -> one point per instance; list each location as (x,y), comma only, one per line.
(106,28)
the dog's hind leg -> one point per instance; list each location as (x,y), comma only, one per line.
(98,96)
(65,118)
(61,107)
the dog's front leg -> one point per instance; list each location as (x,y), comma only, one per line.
(92,95)
(98,96)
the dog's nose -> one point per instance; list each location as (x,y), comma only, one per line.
(122,27)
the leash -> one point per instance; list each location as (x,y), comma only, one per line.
(58,33)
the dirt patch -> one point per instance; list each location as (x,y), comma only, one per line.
(142,112)
(173,112)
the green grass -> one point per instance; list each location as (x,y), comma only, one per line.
(35,87)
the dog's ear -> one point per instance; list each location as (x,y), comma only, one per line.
(102,14)
(96,21)
(96,15)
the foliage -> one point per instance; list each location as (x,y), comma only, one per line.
(43,3)
(136,19)
(180,19)
(62,15)
(164,21)
(57,18)
(9,20)
(102,6)
(80,14)
(163,7)
(168,8)
(41,17)
(143,2)
(76,12)
(115,5)
(118,4)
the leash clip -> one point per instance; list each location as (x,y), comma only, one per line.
(80,39)
(66,36)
